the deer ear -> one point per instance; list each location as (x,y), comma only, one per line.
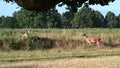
(83,33)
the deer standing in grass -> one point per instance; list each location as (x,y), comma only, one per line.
(25,35)
(91,40)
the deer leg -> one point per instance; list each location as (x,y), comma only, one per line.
(89,43)
(98,43)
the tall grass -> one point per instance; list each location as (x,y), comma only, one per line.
(58,37)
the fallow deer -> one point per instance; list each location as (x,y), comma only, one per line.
(91,40)
(25,35)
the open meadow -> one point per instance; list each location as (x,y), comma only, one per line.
(59,48)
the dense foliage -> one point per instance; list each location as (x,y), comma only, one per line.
(85,17)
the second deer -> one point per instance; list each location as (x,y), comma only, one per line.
(25,35)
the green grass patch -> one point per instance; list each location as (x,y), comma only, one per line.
(52,54)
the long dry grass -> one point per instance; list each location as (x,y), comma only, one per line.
(75,34)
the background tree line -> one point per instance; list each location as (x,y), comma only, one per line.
(85,17)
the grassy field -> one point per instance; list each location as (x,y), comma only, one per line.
(62,58)
(79,55)
(109,37)
(99,62)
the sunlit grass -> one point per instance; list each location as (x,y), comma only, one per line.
(66,57)
(99,62)
(104,33)
(14,56)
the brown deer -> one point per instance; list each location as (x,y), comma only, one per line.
(91,40)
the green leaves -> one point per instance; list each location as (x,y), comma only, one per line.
(46,19)
(111,20)
(87,17)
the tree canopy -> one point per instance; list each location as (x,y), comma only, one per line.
(28,19)
(112,20)
(86,17)
(44,5)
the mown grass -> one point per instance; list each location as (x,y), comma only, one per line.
(62,58)
(99,62)
(14,56)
